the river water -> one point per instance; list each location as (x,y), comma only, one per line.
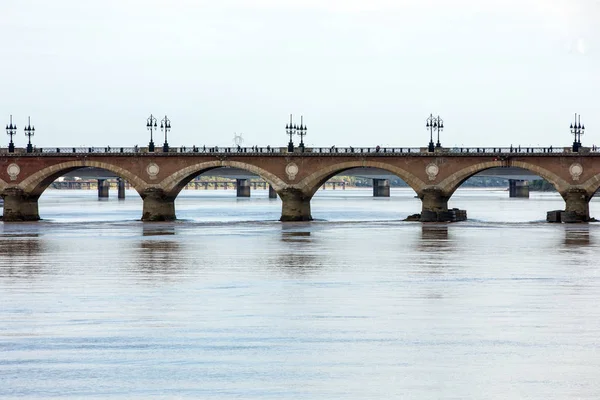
(229,303)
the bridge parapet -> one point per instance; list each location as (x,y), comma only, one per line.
(308,151)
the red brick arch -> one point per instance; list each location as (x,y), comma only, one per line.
(313,182)
(173,184)
(38,182)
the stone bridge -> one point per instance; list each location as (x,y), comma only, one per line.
(159,177)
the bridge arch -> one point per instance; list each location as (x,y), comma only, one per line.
(449,185)
(313,182)
(38,182)
(173,184)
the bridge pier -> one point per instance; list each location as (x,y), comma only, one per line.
(435,208)
(243,187)
(381,187)
(577,206)
(295,205)
(121,189)
(157,206)
(272,192)
(19,206)
(103,188)
(518,188)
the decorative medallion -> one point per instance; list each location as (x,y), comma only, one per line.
(575,170)
(432,171)
(13,171)
(291,170)
(152,169)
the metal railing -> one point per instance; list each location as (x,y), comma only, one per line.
(333,150)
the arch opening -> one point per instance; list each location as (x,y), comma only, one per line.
(311,184)
(173,184)
(37,183)
(512,168)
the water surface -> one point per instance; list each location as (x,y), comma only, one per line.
(229,303)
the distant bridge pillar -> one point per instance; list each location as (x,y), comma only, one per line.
(157,206)
(243,187)
(272,192)
(381,187)
(121,188)
(103,188)
(295,205)
(518,188)
(19,206)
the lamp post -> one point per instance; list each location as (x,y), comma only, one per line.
(577,130)
(440,126)
(290,130)
(151,125)
(302,132)
(431,121)
(29,132)
(11,130)
(165,126)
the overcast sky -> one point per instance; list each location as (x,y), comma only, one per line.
(362,72)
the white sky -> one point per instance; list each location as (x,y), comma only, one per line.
(362,72)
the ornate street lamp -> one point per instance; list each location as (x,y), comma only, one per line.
(290,130)
(434,124)
(577,130)
(11,130)
(29,132)
(151,125)
(165,126)
(301,132)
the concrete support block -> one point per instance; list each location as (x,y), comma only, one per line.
(19,206)
(272,193)
(381,187)
(121,189)
(157,206)
(103,188)
(295,205)
(518,188)
(243,187)
(554,216)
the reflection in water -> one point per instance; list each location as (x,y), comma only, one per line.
(434,237)
(294,236)
(156,257)
(577,236)
(21,257)
(297,258)
(158,230)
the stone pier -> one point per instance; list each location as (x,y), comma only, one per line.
(272,192)
(435,208)
(381,187)
(295,205)
(577,208)
(121,189)
(243,187)
(19,206)
(518,188)
(103,188)
(157,206)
